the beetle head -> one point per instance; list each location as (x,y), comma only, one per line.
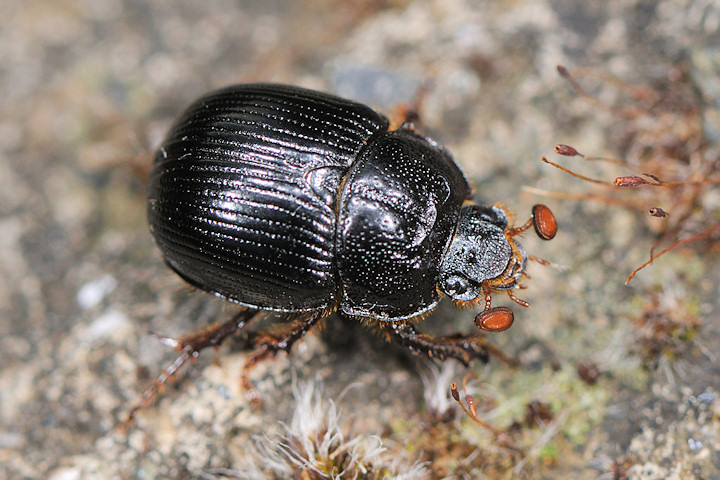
(482,256)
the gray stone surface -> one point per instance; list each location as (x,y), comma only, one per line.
(88,88)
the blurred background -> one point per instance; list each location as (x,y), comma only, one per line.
(614,381)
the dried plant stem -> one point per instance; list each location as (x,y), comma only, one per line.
(694,238)
(604,199)
(577,175)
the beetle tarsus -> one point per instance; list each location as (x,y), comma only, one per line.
(539,260)
(271,343)
(256,357)
(460,347)
(190,347)
(517,300)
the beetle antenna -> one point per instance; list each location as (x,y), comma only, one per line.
(542,219)
(514,231)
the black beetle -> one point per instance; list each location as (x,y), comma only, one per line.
(289,200)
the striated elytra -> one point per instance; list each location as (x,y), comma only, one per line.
(283,199)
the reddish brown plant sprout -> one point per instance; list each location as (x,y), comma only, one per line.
(665,157)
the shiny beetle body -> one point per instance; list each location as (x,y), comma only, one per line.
(283,199)
(288,200)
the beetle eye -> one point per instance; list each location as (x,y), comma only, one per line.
(459,288)
(456,286)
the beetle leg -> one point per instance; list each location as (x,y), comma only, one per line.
(461,347)
(190,347)
(539,260)
(407,114)
(256,357)
(289,333)
(517,300)
(270,344)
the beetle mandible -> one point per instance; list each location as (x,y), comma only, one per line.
(288,200)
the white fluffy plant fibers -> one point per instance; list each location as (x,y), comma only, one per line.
(313,446)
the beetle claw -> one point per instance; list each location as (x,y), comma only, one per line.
(167,341)
(461,347)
